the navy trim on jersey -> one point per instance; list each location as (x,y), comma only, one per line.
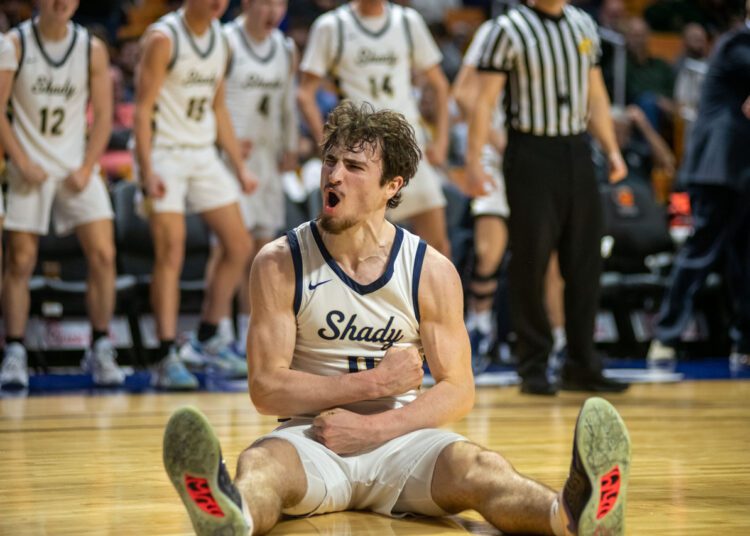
(362,27)
(380,282)
(418,260)
(88,59)
(175,45)
(409,38)
(22,44)
(249,46)
(291,236)
(340,42)
(55,64)
(202,55)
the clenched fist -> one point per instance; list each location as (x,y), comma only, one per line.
(400,370)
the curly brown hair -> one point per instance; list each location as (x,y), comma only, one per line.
(360,127)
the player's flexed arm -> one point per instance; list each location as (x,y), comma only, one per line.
(275,389)
(447,350)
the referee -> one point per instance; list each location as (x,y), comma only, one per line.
(545,55)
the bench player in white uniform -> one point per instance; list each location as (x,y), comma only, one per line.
(53,174)
(343,310)
(180,117)
(260,93)
(370,48)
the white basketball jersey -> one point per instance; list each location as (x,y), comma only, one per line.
(49,100)
(344,327)
(184,114)
(255,84)
(376,67)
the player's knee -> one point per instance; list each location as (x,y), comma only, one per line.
(169,254)
(102,257)
(238,249)
(20,261)
(257,458)
(487,466)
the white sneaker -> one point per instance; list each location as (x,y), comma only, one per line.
(661,357)
(14,373)
(100,362)
(739,363)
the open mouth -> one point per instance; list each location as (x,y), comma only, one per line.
(332,199)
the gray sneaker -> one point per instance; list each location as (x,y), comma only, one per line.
(14,373)
(171,374)
(100,362)
(594,494)
(193,461)
(215,355)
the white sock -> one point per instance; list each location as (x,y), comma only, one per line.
(243,323)
(484,321)
(559,338)
(225,329)
(247,516)
(556,517)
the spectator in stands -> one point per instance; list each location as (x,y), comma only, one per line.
(447,43)
(690,70)
(433,11)
(716,16)
(127,59)
(181,76)
(16,11)
(716,171)
(649,80)
(641,145)
(4,23)
(56,69)
(612,15)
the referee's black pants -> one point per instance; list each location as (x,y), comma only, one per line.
(554,205)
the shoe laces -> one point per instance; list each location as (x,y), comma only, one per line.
(577,489)
(105,356)
(14,363)
(173,365)
(226,485)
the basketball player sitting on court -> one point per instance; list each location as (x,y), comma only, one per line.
(57,68)
(344,310)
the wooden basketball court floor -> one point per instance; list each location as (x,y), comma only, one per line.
(91,465)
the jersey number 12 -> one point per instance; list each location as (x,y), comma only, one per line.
(52,121)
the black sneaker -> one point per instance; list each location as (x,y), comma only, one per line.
(596,383)
(193,461)
(594,494)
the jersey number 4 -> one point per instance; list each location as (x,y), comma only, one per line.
(51,121)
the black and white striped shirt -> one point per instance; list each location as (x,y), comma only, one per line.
(547,60)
